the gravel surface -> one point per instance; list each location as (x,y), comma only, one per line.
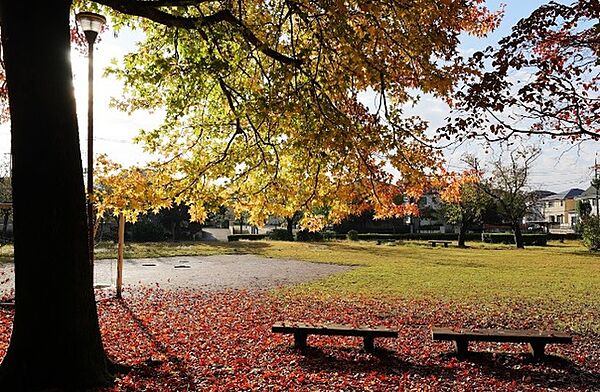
(215,272)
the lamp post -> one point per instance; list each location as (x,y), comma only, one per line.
(91,24)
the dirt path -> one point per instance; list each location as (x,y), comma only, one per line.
(206,272)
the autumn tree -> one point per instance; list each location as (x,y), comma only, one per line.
(465,204)
(239,79)
(128,191)
(273,113)
(542,79)
(506,182)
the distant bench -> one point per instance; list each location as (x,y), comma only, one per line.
(434,242)
(301,331)
(537,339)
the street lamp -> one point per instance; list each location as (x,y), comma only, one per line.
(91,24)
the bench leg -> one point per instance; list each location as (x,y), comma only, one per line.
(433,244)
(369,343)
(445,245)
(537,349)
(300,340)
(461,347)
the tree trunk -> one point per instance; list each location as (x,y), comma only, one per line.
(518,235)
(290,227)
(462,231)
(5,216)
(56,340)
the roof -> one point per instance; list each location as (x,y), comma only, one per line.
(589,193)
(569,194)
(542,193)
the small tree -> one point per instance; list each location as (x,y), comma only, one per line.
(126,193)
(584,209)
(507,185)
(470,209)
(590,231)
(465,203)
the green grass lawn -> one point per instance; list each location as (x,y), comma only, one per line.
(556,272)
(560,281)
(556,286)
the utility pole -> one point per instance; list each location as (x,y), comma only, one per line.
(596,184)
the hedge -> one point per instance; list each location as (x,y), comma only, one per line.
(309,236)
(332,235)
(251,237)
(418,236)
(565,236)
(509,238)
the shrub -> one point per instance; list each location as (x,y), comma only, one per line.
(280,235)
(309,236)
(591,233)
(250,237)
(332,235)
(353,235)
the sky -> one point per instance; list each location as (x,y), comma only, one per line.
(561,165)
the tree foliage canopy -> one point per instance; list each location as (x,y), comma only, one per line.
(264,101)
(541,79)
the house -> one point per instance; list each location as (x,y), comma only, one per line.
(536,213)
(430,218)
(590,196)
(560,210)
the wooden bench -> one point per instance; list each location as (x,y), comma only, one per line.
(302,330)
(537,339)
(434,242)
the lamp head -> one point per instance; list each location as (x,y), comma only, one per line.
(91,24)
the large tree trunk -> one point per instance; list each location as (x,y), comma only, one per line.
(56,340)
(518,235)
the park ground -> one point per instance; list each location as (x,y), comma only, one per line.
(191,339)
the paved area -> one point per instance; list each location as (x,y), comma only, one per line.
(205,272)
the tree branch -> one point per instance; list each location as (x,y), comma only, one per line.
(150,10)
